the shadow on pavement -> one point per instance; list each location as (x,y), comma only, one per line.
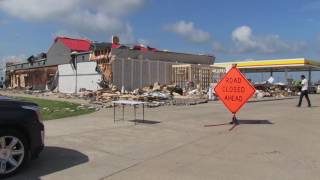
(255,122)
(51,160)
(145,121)
(250,122)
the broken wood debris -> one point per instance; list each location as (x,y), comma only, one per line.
(154,95)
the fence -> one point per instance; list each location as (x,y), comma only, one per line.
(202,75)
(134,73)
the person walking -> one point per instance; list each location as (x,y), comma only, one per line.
(304,91)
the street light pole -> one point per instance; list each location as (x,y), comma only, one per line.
(2,74)
(76,66)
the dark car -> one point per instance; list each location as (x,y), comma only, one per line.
(21,134)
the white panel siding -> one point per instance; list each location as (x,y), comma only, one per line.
(136,72)
(67,84)
(162,72)
(86,78)
(127,69)
(154,68)
(145,74)
(117,72)
(140,73)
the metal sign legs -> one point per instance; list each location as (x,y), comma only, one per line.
(234,123)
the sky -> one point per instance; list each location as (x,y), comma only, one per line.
(229,30)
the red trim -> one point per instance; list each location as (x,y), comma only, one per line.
(80,45)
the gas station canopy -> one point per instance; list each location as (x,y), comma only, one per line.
(279,65)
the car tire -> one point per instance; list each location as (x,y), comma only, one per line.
(15,153)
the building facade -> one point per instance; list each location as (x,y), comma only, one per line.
(123,66)
(134,68)
(42,74)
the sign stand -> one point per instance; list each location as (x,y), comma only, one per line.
(234,122)
(234,90)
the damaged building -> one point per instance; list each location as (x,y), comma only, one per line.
(140,66)
(40,72)
(74,64)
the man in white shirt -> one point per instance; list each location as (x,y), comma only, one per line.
(304,91)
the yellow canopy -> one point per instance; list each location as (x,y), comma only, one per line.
(279,65)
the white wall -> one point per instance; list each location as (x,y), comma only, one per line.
(86,77)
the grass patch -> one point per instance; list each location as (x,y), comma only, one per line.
(51,109)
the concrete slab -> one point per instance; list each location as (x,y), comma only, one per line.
(275,141)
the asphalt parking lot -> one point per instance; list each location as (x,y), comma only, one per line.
(275,141)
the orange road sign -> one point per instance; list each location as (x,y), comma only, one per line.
(234,90)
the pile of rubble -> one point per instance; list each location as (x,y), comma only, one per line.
(278,90)
(154,95)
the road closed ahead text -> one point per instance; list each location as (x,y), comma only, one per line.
(234,90)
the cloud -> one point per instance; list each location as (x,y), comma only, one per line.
(218,47)
(311,6)
(12,58)
(36,10)
(82,15)
(188,31)
(143,42)
(127,36)
(242,36)
(116,7)
(71,34)
(245,41)
(3,22)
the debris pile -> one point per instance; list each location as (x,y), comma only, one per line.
(154,95)
(277,90)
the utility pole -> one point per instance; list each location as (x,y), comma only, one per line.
(74,64)
(2,73)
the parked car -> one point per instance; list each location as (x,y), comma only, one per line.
(313,90)
(21,134)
